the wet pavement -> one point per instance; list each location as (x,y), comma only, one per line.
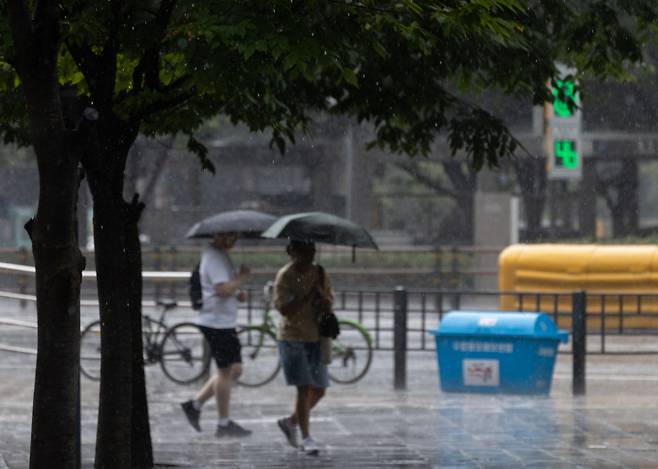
(369,425)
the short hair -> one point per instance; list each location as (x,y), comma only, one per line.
(296,246)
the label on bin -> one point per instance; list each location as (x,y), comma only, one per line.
(480,372)
(487,322)
(481,346)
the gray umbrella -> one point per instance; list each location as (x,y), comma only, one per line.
(320,227)
(247,223)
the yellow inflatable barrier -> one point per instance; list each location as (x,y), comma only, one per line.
(599,270)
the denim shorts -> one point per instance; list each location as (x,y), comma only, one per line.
(302,364)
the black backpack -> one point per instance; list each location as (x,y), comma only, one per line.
(196,296)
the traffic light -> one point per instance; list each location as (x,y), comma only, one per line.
(563,129)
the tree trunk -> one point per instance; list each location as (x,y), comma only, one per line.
(113,447)
(142,449)
(464,182)
(531,177)
(57,258)
(627,200)
(123,436)
(467,210)
(620,192)
(59,263)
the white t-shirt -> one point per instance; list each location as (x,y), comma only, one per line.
(218,312)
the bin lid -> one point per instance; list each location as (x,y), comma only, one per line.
(508,324)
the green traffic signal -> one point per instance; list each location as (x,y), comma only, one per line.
(561,106)
(565,154)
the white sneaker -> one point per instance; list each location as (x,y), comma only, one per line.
(310,447)
(289,430)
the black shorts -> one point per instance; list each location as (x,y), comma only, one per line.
(224,345)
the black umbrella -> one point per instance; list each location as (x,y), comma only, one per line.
(320,227)
(247,223)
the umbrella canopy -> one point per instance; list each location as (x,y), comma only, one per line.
(247,223)
(320,227)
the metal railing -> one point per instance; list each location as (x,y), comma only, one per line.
(445,267)
(399,320)
(616,323)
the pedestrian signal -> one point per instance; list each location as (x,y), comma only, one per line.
(563,129)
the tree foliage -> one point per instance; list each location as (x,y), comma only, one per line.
(406,66)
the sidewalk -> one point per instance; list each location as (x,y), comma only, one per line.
(368,425)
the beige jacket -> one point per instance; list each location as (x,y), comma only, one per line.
(301,324)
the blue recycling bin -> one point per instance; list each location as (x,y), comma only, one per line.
(497,352)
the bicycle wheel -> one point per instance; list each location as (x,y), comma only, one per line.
(185,353)
(260,356)
(90,351)
(351,353)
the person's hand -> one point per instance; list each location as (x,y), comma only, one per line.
(242,296)
(322,303)
(244,273)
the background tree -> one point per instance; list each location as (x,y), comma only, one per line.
(164,66)
(457,181)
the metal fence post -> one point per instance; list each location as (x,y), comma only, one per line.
(436,256)
(400,338)
(455,280)
(579,338)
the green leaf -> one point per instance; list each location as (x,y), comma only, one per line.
(350,77)
(199,149)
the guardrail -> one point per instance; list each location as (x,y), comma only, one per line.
(399,319)
(629,328)
(447,267)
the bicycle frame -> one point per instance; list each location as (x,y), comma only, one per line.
(161,344)
(153,333)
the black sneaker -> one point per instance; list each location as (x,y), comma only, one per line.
(192,414)
(232,429)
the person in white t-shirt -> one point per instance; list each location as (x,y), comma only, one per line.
(220,285)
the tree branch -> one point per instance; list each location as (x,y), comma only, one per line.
(148,67)
(459,180)
(20,23)
(428,182)
(107,63)
(163,17)
(361,6)
(88,64)
(162,105)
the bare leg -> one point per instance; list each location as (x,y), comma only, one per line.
(314,395)
(222,387)
(307,398)
(301,415)
(208,390)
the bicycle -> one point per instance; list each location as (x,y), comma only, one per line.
(351,350)
(181,349)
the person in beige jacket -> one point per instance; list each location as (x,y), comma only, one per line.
(301,290)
